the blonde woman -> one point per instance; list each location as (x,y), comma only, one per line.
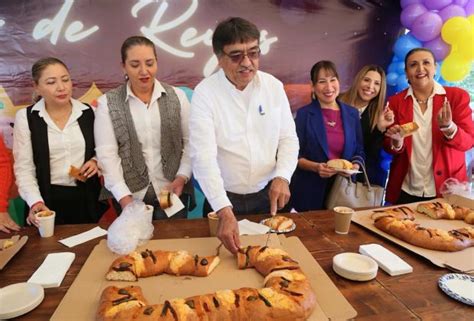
(367,94)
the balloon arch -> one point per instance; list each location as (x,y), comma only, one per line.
(444,26)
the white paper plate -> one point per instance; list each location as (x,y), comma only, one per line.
(458,286)
(20,298)
(347,171)
(291,228)
(354,266)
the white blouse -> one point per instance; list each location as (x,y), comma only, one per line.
(66,148)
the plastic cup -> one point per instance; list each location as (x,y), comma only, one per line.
(342,219)
(46,223)
(213,220)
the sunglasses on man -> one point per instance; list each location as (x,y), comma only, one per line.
(238,56)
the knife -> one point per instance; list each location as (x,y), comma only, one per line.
(269,232)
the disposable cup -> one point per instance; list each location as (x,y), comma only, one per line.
(342,219)
(46,223)
(213,220)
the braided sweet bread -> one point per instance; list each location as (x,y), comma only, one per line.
(443,210)
(287,295)
(149,263)
(428,238)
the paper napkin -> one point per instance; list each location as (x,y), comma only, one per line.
(176,207)
(247,227)
(51,272)
(83,237)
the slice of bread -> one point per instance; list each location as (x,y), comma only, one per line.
(76,173)
(339,164)
(409,128)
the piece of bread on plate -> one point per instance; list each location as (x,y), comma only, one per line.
(339,164)
(279,223)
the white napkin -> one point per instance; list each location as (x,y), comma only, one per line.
(51,272)
(177,205)
(247,227)
(83,237)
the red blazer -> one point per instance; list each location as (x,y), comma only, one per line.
(6,175)
(448,155)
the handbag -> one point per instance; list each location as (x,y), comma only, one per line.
(345,192)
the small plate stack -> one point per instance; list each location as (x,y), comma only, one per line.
(354,266)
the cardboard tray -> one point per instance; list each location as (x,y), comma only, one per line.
(90,282)
(461,261)
(8,253)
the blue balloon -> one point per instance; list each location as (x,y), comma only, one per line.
(437,74)
(392,78)
(385,164)
(400,67)
(392,68)
(404,44)
(402,83)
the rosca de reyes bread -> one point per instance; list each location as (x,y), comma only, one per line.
(409,128)
(401,212)
(339,164)
(443,210)
(149,263)
(287,295)
(279,223)
(428,238)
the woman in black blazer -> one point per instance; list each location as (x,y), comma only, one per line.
(367,94)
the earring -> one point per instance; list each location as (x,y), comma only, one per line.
(125,76)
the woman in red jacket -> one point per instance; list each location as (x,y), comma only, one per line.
(436,151)
(6,178)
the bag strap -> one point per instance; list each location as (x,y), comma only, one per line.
(361,164)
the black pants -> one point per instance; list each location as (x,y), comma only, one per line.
(245,204)
(407,198)
(70,205)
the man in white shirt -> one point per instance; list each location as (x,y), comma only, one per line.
(243,143)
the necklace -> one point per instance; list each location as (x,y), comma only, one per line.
(421,101)
(331,123)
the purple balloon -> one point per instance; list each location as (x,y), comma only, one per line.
(427,26)
(469,8)
(439,48)
(410,13)
(405,3)
(461,3)
(436,4)
(452,11)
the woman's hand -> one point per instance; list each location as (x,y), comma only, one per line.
(445,117)
(38,207)
(7,224)
(395,133)
(89,168)
(177,185)
(324,170)
(386,119)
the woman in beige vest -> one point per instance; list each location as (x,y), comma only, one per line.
(141,132)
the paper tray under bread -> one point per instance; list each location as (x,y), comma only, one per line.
(90,282)
(462,261)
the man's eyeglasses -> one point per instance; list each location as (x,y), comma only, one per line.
(238,56)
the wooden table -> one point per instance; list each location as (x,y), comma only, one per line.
(412,296)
